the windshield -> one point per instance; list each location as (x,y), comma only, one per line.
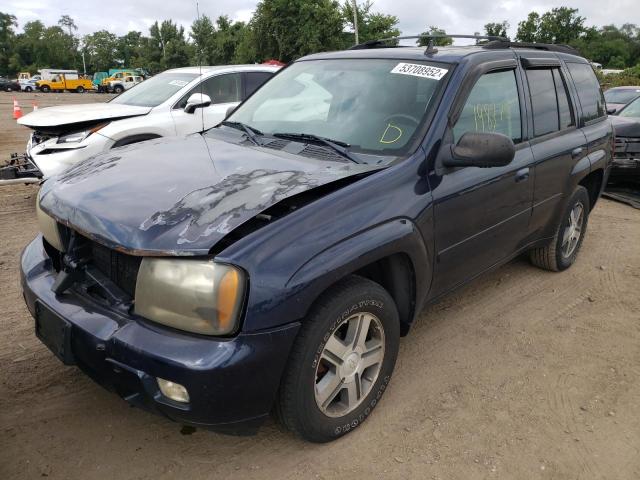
(373,106)
(156,90)
(621,96)
(631,110)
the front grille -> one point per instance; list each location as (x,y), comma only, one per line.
(120,268)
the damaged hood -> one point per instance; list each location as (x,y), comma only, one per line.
(626,126)
(180,196)
(69,115)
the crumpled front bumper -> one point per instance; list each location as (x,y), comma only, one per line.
(53,158)
(232,382)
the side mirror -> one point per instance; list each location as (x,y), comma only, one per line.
(230,110)
(611,110)
(197,100)
(483,150)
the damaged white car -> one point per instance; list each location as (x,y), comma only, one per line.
(176,102)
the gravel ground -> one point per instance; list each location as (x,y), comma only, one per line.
(524,374)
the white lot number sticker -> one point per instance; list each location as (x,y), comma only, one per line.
(417,70)
(178,83)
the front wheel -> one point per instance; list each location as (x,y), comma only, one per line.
(118,89)
(561,251)
(45,89)
(341,362)
(28,89)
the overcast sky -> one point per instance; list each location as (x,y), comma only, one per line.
(455,16)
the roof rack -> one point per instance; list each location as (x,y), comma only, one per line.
(383,42)
(550,47)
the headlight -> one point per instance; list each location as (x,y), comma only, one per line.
(77,137)
(198,296)
(49,228)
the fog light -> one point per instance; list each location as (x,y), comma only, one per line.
(174,391)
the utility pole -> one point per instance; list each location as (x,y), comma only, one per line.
(355,20)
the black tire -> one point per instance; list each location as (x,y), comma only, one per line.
(8,88)
(28,89)
(118,89)
(45,89)
(553,256)
(297,407)
(80,89)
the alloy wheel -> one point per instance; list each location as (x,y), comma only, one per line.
(573,230)
(349,364)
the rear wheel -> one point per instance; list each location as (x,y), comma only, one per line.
(118,89)
(341,362)
(45,88)
(80,89)
(561,252)
(28,89)
(8,88)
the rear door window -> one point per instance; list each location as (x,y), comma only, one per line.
(493,106)
(254,80)
(589,93)
(543,101)
(564,105)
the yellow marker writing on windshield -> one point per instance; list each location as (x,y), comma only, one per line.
(386,130)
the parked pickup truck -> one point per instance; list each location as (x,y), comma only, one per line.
(124,83)
(273,262)
(60,83)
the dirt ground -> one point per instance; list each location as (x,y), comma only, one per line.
(524,374)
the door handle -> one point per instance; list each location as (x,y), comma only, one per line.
(522,174)
(576,152)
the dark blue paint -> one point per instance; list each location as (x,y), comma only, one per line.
(452,225)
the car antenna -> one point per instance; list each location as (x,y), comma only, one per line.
(200,66)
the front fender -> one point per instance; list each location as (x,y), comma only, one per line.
(398,236)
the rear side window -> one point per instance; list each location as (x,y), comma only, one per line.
(549,101)
(254,80)
(589,93)
(543,101)
(492,106)
(566,113)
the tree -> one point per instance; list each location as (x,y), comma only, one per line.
(497,29)
(101,48)
(440,42)
(129,50)
(560,25)
(371,25)
(528,29)
(167,47)
(203,34)
(288,29)
(7,38)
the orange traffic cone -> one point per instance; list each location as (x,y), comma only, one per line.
(35,106)
(17,111)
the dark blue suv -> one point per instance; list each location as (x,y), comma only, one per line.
(272,263)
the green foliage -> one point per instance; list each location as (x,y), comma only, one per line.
(288,29)
(371,25)
(628,77)
(496,29)
(440,42)
(280,29)
(101,51)
(7,36)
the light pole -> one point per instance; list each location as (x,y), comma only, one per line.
(355,20)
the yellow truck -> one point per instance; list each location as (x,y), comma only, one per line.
(61,82)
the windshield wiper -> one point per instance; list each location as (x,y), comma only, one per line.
(336,145)
(251,132)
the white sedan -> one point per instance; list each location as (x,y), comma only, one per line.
(176,102)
